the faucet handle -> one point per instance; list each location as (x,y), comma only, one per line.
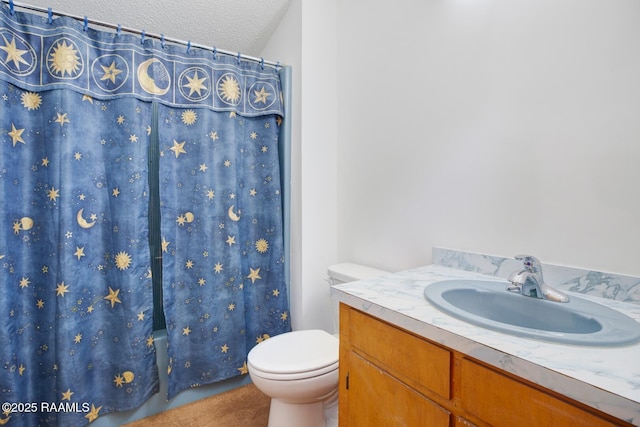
(531,263)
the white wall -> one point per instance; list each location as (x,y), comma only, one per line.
(494,126)
(306,40)
(318,163)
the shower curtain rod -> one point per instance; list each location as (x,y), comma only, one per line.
(142,33)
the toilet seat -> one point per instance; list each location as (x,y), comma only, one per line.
(295,355)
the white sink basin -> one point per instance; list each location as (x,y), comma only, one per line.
(488,304)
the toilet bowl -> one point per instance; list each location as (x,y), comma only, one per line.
(299,370)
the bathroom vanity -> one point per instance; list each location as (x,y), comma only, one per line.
(403,362)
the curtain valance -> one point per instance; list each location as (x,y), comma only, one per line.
(38,54)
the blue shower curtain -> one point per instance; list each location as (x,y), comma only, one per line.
(222,239)
(76,297)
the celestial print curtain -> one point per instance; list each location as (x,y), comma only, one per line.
(75,291)
(222,229)
(75,296)
(79,111)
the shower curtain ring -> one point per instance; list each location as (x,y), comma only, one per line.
(142,35)
(86,23)
(162,42)
(262,63)
(239,57)
(50,16)
(12,7)
(119,30)
(189,47)
(215,53)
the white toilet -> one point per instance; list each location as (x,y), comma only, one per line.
(299,369)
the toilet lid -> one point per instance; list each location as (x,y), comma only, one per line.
(294,352)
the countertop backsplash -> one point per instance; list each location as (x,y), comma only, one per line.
(593,283)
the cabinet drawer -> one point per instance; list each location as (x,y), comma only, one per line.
(418,363)
(504,401)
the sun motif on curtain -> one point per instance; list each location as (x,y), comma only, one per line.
(76,288)
(63,59)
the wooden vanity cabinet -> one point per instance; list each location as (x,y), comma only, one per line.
(391,377)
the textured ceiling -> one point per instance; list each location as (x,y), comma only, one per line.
(234,25)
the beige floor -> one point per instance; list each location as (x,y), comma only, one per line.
(245,406)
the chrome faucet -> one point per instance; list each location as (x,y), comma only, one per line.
(529,282)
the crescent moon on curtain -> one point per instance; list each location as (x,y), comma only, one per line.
(232,215)
(147,82)
(83,222)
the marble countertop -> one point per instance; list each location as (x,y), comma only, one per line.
(607,379)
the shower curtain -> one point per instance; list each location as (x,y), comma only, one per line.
(223,259)
(79,109)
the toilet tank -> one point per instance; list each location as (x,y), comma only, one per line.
(348,272)
(344,273)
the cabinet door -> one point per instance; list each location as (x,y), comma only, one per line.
(378,399)
(504,401)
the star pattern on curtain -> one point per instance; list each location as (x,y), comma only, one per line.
(72,260)
(222,242)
